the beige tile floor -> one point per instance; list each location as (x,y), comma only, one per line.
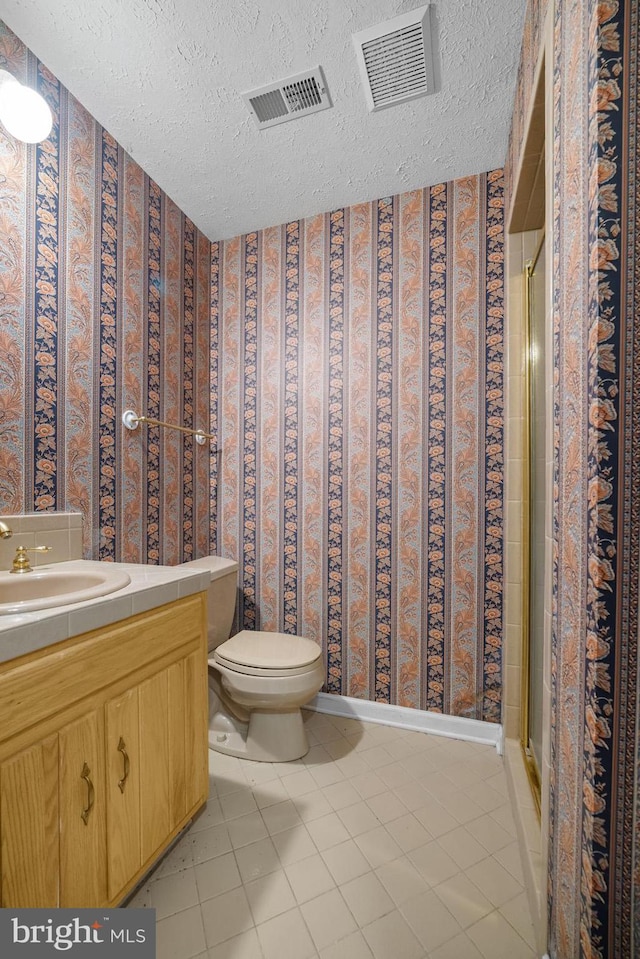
(379,843)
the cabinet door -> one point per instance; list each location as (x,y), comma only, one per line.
(29,827)
(173,748)
(187,717)
(178,760)
(124,856)
(83,860)
(196,719)
(154,763)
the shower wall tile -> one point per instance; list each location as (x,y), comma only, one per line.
(105,306)
(359,407)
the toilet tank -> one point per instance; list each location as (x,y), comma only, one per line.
(221,597)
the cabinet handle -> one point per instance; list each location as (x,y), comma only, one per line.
(123,749)
(86,775)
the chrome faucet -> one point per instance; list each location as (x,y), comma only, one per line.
(21,560)
(5,532)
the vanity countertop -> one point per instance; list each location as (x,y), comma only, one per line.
(150,586)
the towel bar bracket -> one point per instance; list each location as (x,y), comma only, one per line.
(131,420)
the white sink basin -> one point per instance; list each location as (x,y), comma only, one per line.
(43,588)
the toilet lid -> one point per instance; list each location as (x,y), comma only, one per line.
(268,650)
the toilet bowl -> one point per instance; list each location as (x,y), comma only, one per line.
(258,680)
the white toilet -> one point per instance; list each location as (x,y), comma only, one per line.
(257,680)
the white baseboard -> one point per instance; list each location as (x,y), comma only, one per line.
(422,721)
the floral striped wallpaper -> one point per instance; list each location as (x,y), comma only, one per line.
(104,305)
(357,390)
(352,370)
(594,867)
(350,365)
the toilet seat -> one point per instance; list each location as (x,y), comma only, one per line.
(261,653)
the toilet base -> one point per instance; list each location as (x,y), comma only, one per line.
(269,736)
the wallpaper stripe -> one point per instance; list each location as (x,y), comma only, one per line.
(15,255)
(572,229)
(449,403)
(291,423)
(187,331)
(108,349)
(185,296)
(96,333)
(494,449)
(230,399)
(132,372)
(168,440)
(396,483)
(213,391)
(601,701)
(47,334)
(172,372)
(271,404)
(425,364)
(63,261)
(335,454)
(152,407)
(436,449)
(466,409)
(82,268)
(250,428)
(145,354)
(408,396)
(630,873)
(118,334)
(27,465)
(313,452)
(203,455)
(481,433)
(384,490)
(358,347)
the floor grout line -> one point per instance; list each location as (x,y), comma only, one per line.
(412,762)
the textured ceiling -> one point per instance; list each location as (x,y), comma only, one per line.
(165,78)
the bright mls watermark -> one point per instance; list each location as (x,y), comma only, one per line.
(79,933)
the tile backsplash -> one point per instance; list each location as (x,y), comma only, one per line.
(61,531)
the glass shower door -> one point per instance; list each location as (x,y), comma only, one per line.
(536,519)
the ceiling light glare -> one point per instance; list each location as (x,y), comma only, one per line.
(24,113)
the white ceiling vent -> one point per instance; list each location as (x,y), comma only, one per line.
(287,99)
(396,60)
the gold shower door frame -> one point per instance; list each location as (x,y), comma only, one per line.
(531,765)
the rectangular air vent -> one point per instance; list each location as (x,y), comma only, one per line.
(289,98)
(396,60)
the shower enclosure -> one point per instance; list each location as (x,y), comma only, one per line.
(534,516)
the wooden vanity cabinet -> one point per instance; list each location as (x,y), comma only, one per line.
(103,756)
(82,811)
(30,826)
(123,788)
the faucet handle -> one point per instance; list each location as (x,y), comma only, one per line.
(5,531)
(21,560)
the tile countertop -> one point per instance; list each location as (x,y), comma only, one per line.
(150,586)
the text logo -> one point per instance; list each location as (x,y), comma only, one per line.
(81,933)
